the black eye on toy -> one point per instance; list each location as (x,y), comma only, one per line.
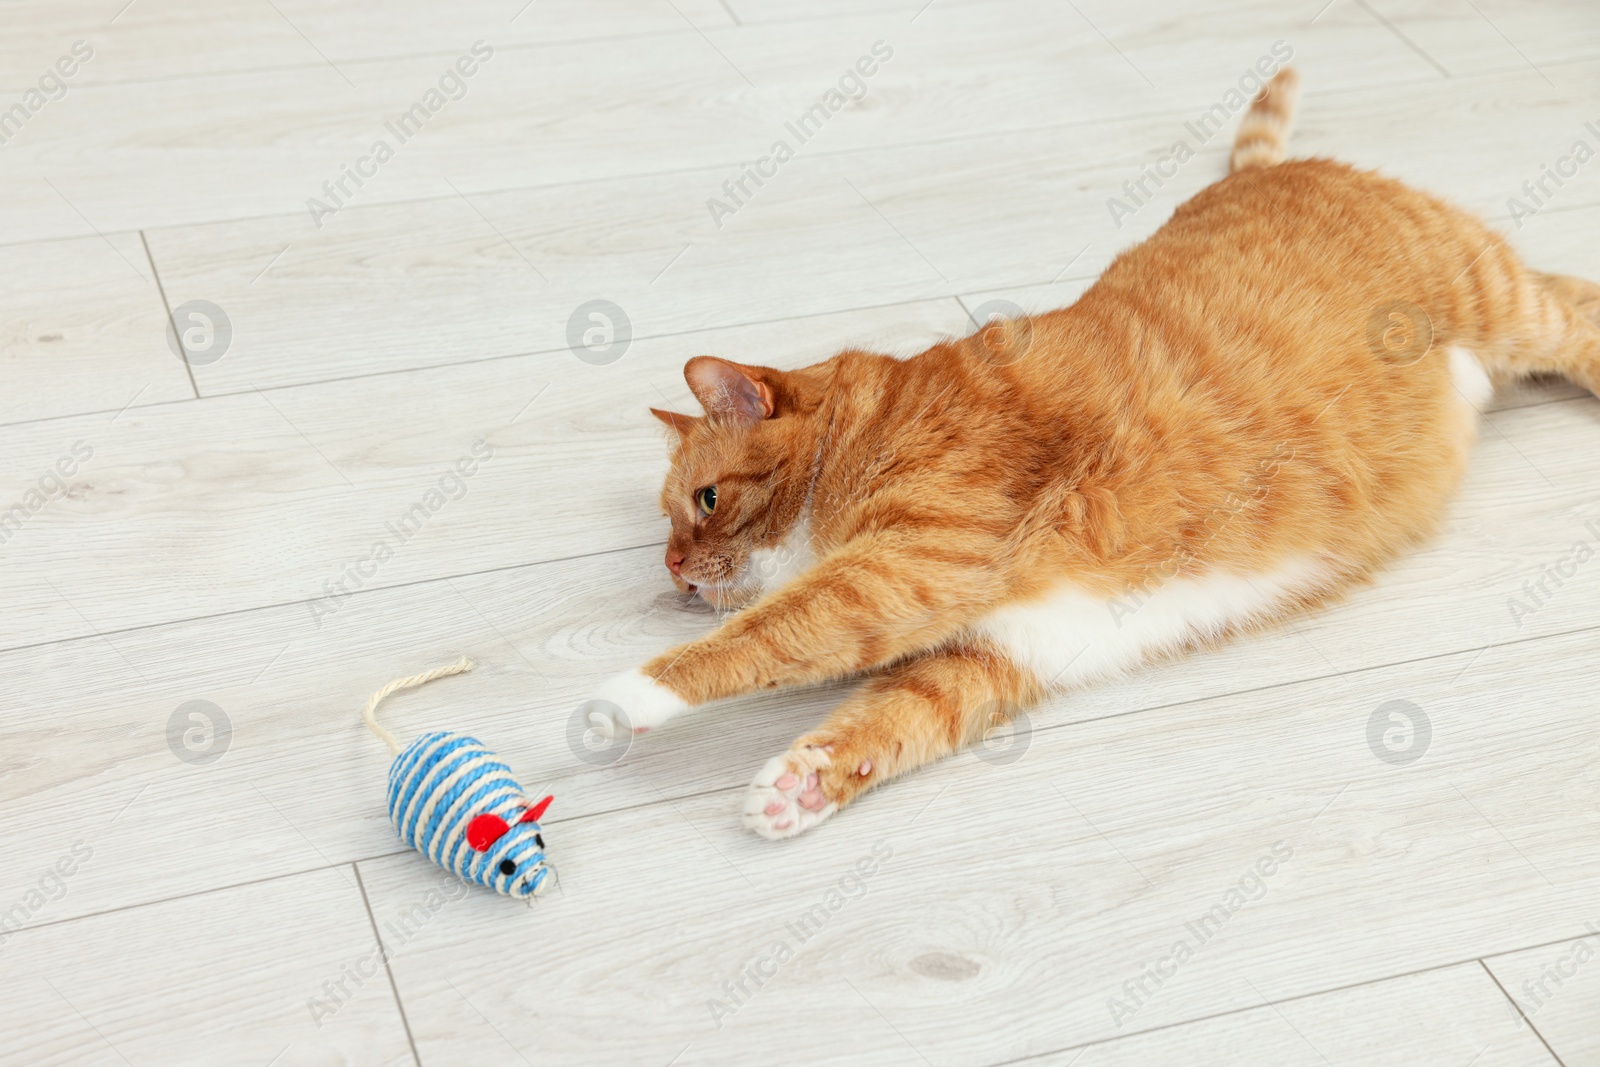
(507,867)
(538,839)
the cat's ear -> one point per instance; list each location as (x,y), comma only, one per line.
(727,390)
(673,419)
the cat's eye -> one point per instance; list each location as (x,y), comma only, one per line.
(707,499)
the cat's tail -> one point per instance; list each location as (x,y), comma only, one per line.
(1265,130)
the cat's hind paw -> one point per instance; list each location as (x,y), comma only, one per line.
(787,796)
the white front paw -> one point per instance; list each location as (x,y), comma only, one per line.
(632,701)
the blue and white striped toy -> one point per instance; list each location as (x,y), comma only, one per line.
(454,801)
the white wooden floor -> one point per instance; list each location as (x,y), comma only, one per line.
(192,544)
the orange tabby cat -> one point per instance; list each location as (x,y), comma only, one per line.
(1247,414)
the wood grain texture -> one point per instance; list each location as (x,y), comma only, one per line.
(1557,993)
(165,39)
(226,977)
(1460,38)
(83,329)
(1452,1015)
(385,287)
(588,112)
(313,479)
(1496,34)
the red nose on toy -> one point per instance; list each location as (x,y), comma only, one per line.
(484,830)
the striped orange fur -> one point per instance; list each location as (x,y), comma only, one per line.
(1247,414)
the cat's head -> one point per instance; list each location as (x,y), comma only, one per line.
(739,477)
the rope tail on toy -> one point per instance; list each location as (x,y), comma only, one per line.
(454,801)
(369,713)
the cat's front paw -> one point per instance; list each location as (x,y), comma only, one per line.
(630,701)
(788,796)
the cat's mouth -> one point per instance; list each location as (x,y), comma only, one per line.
(736,588)
(724,596)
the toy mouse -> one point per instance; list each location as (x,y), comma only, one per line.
(454,801)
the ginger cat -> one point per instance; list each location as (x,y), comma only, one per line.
(1246,415)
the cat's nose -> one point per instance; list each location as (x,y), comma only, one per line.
(675,561)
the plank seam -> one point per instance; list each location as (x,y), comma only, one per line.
(166,307)
(932,299)
(383,951)
(1518,1008)
(1080,1048)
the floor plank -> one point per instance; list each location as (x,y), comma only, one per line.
(1450,39)
(1452,1015)
(437,281)
(283,972)
(84,329)
(313,479)
(172,39)
(596,111)
(1464,37)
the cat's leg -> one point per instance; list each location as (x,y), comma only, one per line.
(877,600)
(1556,331)
(915,712)
(1576,356)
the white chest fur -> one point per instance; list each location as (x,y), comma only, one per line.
(770,568)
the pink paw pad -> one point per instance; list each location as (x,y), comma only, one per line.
(787,796)
(865,768)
